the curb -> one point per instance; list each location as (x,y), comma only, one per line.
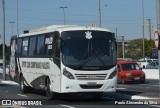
(8,82)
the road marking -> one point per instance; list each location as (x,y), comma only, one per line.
(126,96)
(155,85)
(142,97)
(123,86)
(120,88)
(67,106)
(22,95)
(12,106)
(155,106)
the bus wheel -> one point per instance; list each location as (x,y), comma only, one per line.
(23,87)
(49,93)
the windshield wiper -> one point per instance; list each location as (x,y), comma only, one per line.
(94,55)
(84,55)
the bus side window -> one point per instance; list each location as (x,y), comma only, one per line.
(48,44)
(40,45)
(32,46)
(25,47)
(18,49)
(56,47)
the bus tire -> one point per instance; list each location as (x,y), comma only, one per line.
(49,93)
(23,87)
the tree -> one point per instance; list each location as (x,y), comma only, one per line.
(134,49)
(149,45)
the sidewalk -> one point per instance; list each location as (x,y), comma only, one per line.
(7,81)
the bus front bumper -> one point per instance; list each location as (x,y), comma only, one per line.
(71,86)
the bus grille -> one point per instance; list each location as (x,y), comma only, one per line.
(91,76)
(98,86)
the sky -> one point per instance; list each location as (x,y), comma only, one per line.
(125,15)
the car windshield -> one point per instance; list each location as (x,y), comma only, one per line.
(148,61)
(130,66)
(157,63)
(88,49)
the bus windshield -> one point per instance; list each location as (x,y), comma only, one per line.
(88,50)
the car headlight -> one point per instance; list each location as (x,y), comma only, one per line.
(113,74)
(68,74)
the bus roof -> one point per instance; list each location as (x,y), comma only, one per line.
(60,28)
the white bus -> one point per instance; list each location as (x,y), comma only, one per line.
(65,59)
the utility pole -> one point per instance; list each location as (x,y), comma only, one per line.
(117,41)
(99,12)
(143,29)
(3,36)
(122,41)
(64,14)
(158,29)
(123,46)
(12,22)
(17,21)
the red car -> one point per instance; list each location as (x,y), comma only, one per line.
(129,71)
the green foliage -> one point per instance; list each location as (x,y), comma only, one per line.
(134,48)
(149,45)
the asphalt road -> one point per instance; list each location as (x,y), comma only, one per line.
(150,89)
(148,92)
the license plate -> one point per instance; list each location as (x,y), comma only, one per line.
(91,83)
(137,78)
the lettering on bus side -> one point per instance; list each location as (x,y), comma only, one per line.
(38,65)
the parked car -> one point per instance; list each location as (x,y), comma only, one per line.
(144,63)
(129,71)
(152,65)
(1,69)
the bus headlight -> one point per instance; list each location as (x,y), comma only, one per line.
(68,74)
(113,74)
